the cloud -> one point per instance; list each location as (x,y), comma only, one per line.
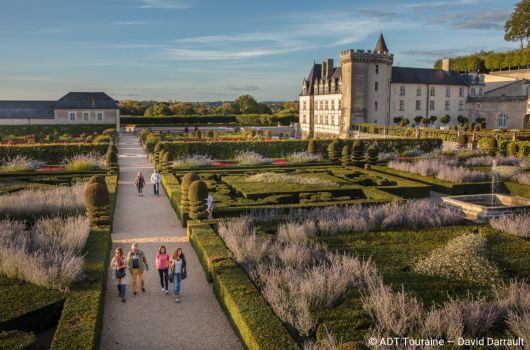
(133,23)
(248,87)
(377,13)
(164,4)
(437,5)
(214,55)
(51,30)
(481,20)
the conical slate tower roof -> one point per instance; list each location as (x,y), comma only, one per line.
(381,44)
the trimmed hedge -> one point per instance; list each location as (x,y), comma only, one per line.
(242,119)
(516,189)
(17,340)
(59,129)
(82,317)
(254,321)
(282,148)
(53,153)
(437,184)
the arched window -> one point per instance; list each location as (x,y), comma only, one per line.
(502,120)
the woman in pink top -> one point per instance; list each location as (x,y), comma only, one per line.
(162,264)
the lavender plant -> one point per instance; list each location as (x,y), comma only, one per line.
(444,170)
(515,224)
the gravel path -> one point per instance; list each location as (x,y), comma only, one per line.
(152,320)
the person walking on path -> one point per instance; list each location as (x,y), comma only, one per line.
(177,271)
(140,183)
(155,179)
(162,264)
(137,264)
(120,271)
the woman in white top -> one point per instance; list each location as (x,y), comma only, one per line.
(177,271)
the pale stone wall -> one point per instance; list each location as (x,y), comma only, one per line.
(515,109)
(110,116)
(327,114)
(457,103)
(305,115)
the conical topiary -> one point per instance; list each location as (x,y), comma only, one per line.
(491,146)
(333,151)
(371,154)
(184,187)
(311,147)
(346,156)
(97,201)
(357,152)
(513,149)
(166,159)
(197,195)
(111,157)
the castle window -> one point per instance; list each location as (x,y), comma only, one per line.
(303,119)
(376,86)
(402,90)
(460,105)
(339,104)
(447,105)
(473,91)
(418,105)
(332,104)
(418,91)
(71,115)
(480,92)
(85,116)
(326,120)
(376,69)
(461,92)
(431,105)
(502,120)
(401,105)
(303,105)
(100,116)
(448,92)
(376,106)
(433,91)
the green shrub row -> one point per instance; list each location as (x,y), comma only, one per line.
(282,148)
(516,189)
(445,135)
(17,340)
(82,317)
(243,119)
(254,321)
(439,185)
(523,147)
(61,129)
(489,61)
(51,153)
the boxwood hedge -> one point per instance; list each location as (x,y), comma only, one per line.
(254,321)
(242,119)
(53,153)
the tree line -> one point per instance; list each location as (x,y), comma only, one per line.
(516,29)
(244,104)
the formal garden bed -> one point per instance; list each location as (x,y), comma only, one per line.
(339,275)
(53,259)
(62,134)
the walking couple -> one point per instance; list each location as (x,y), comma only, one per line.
(139,181)
(169,268)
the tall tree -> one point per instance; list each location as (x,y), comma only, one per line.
(517,27)
(247,104)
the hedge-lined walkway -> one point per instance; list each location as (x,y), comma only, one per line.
(152,320)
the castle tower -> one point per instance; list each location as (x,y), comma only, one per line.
(366,77)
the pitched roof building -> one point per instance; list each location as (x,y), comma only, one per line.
(367,88)
(73,108)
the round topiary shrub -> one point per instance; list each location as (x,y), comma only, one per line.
(111,157)
(462,140)
(311,147)
(197,195)
(513,149)
(97,201)
(185,183)
(491,146)
(346,156)
(97,179)
(333,151)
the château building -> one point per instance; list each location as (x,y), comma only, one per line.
(367,88)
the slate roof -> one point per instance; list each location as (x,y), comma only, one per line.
(86,100)
(27,109)
(381,44)
(407,75)
(316,74)
(11,109)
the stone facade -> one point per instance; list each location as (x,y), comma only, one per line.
(366,88)
(73,108)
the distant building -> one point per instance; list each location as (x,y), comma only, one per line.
(367,88)
(73,108)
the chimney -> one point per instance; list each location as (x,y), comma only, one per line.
(93,102)
(446,64)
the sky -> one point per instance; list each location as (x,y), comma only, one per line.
(211,50)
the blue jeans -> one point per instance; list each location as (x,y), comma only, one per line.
(176,283)
(121,289)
